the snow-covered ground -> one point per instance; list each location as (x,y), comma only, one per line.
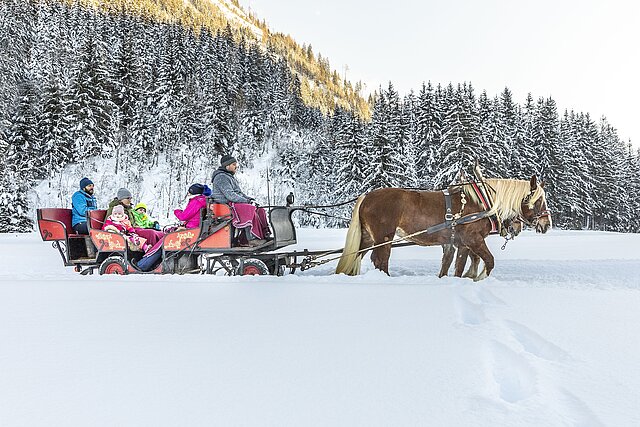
(552,338)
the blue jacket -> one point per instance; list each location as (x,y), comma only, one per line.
(81,202)
(226,188)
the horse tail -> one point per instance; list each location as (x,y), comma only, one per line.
(350,260)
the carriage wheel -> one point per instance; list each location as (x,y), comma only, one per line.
(253,267)
(113,265)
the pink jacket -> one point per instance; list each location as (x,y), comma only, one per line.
(191,214)
(122,227)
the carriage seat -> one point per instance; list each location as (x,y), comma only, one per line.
(55,224)
(95,218)
(220,211)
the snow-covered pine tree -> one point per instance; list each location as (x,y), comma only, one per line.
(633,188)
(386,168)
(629,202)
(460,144)
(492,159)
(14,209)
(545,140)
(126,93)
(24,147)
(525,140)
(352,158)
(409,143)
(53,128)
(570,189)
(88,103)
(429,133)
(507,128)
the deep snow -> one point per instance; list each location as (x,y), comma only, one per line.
(550,339)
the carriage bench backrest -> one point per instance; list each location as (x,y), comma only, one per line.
(220,210)
(55,224)
(96,218)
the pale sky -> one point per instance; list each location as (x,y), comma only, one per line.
(582,53)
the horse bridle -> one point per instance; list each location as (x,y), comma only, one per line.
(537,212)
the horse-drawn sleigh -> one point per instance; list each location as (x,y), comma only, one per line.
(461,216)
(206,249)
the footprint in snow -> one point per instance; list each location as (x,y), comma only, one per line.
(470,313)
(515,377)
(487,297)
(533,343)
(580,415)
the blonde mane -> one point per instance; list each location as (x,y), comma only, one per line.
(507,196)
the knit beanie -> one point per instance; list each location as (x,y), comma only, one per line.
(118,209)
(227,159)
(140,205)
(196,189)
(123,193)
(84,182)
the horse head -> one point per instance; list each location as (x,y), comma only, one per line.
(535,212)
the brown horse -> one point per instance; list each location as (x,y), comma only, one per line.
(380,215)
(513,227)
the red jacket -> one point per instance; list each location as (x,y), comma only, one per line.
(191,214)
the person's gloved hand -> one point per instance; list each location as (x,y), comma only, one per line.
(156,226)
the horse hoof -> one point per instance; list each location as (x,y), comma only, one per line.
(482,276)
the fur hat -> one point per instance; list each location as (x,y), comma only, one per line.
(123,193)
(227,159)
(118,209)
(84,182)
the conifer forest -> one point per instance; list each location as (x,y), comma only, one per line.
(91,90)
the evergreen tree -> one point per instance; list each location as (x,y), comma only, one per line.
(352,159)
(24,147)
(460,142)
(53,129)
(89,104)
(525,140)
(385,136)
(428,135)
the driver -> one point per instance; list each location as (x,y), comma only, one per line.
(246,214)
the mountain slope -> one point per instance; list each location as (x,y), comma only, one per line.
(321,87)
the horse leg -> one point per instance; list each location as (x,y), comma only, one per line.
(366,241)
(472,272)
(448,251)
(380,255)
(461,260)
(483,252)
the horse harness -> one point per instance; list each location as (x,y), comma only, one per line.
(451,220)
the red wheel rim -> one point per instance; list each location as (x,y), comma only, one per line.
(251,270)
(114,268)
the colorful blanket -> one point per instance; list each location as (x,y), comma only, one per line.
(246,215)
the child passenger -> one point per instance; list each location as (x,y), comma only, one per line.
(142,219)
(119,223)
